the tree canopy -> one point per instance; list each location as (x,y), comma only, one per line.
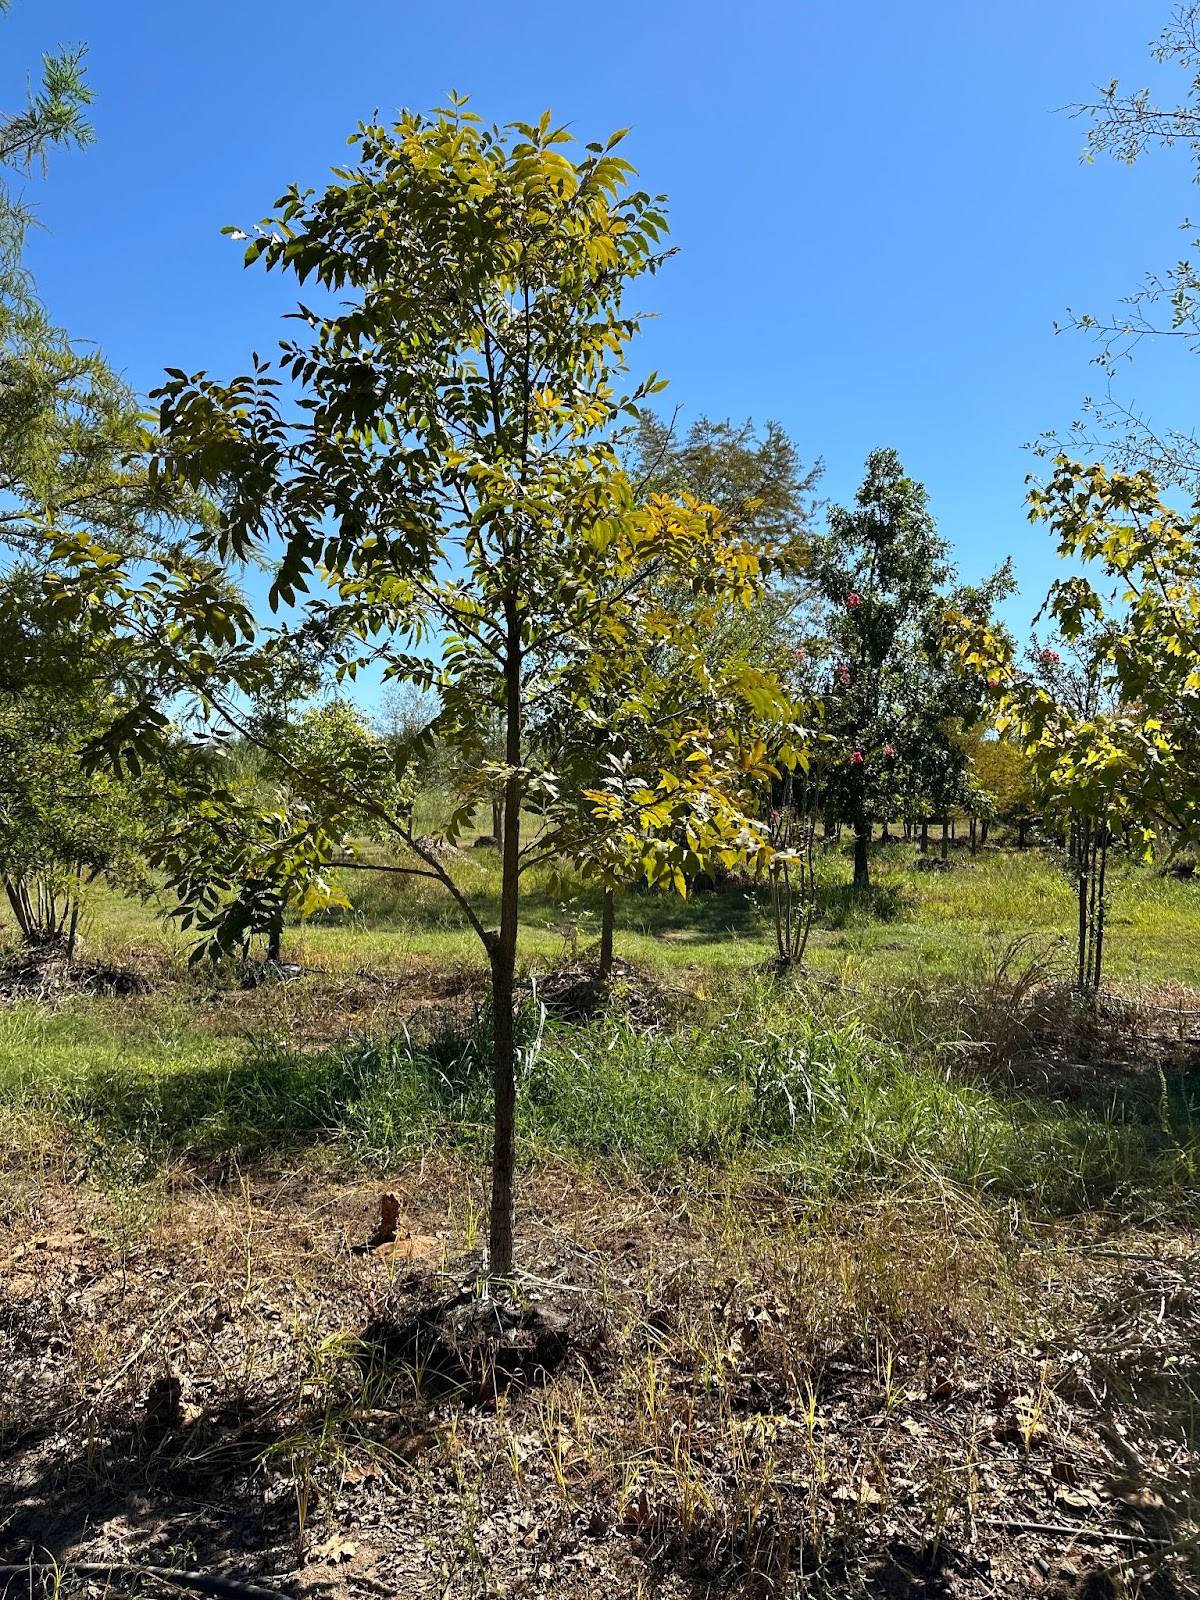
(449,503)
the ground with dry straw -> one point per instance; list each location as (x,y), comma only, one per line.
(891,1400)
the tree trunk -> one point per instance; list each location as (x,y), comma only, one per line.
(945,840)
(862,861)
(924,836)
(983,830)
(18,899)
(504,1089)
(275,940)
(1022,826)
(1098,962)
(1082,891)
(885,837)
(974,830)
(608,917)
(503,952)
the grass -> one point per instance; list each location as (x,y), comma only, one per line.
(786,1083)
(864,1078)
(940,925)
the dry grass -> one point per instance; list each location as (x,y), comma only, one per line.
(782,1397)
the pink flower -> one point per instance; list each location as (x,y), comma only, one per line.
(842,673)
(992,682)
(800,653)
(1049,657)
(889,750)
(853,600)
(856,760)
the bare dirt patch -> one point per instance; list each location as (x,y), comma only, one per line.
(577,993)
(47,975)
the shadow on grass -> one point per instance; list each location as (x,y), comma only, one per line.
(841,905)
(735,910)
(731,911)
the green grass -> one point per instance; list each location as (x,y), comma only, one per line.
(777,1082)
(935,924)
(857,1079)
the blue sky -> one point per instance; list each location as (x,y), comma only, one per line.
(880,209)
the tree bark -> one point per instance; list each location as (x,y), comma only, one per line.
(608,917)
(504,1089)
(1098,964)
(18,899)
(924,836)
(498,820)
(1082,890)
(862,859)
(503,952)
(73,930)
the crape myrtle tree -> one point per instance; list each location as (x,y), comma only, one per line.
(1114,736)
(894,694)
(432,469)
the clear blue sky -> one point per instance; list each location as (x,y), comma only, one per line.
(879,208)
